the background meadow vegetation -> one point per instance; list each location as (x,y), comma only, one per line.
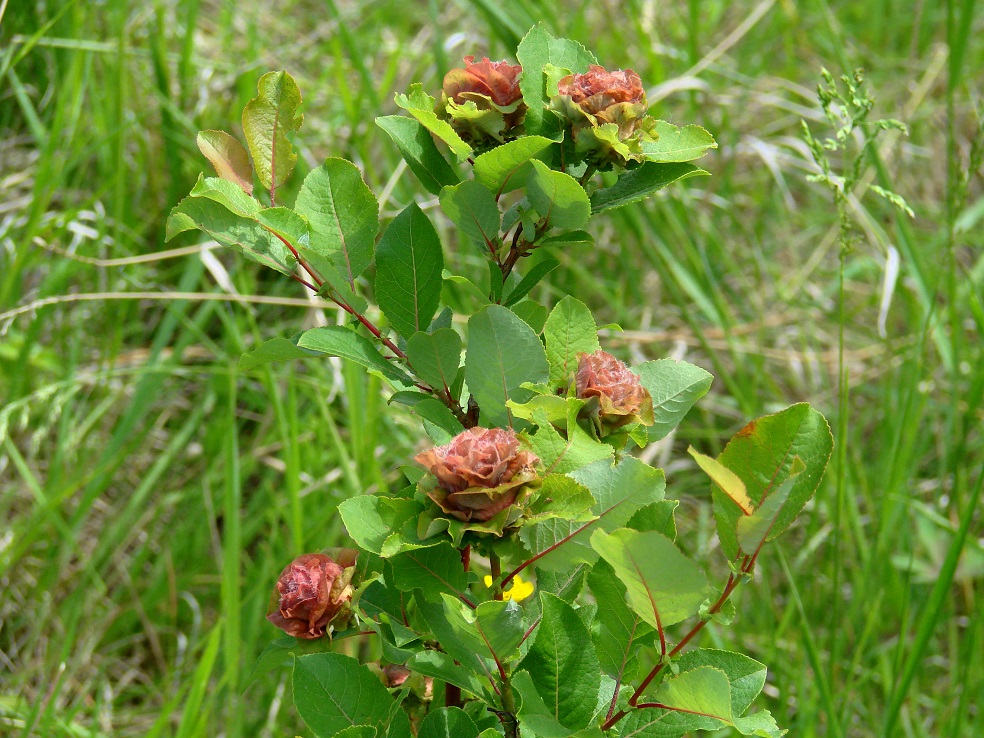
(150,491)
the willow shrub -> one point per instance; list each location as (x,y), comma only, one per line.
(531,477)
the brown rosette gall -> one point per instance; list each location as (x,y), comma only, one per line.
(314,593)
(480,473)
(614,393)
(607,114)
(482,101)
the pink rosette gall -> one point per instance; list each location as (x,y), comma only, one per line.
(616,395)
(482,101)
(314,593)
(607,114)
(480,473)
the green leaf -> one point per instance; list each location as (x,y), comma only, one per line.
(435,357)
(538,49)
(564,455)
(641,183)
(443,425)
(757,528)
(505,167)
(434,570)
(746,676)
(658,517)
(566,585)
(725,479)
(532,313)
(442,666)
(229,157)
(570,330)
(664,586)
(448,722)
(419,152)
(559,495)
(568,239)
(374,522)
(281,652)
(530,280)
(707,691)
(557,197)
(563,665)
(337,340)
(762,454)
(343,214)
(454,628)
(287,224)
(357,731)
(501,625)
(245,235)
(678,144)
(619,491)
(333,692)
(267,119)
(503,353)
(227,194)
(472,208)
(421,106)
(274,350)
(674,386)
(409,262)
(619,629)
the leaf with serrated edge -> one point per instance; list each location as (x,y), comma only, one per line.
(538,49)
(472,208)
(762,454)
(409,264)
(726,480)
(756,529)
(336,340)
(641,183)
(664,586)
(433,570)
(570,330)
(228,156)
(274,350)
(267,119)
(563,664)
(343,214)
(447,722)
(418,150)
(678,144)
(421,106)
(557,197)
(619,491)
(619,629)
(503,353)
(333,692)
(674,386)
(245,235)
(435,357)
(504,168)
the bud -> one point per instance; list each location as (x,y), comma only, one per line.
(621,399)
(479,473)
(314,591)
(394,675)
(483,102)
(607,113)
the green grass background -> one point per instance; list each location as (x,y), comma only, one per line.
(150,492)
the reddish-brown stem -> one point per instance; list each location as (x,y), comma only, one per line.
(466,557)
(304,282)
(747,564)
(530,630)
(452,695)
(300,260)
